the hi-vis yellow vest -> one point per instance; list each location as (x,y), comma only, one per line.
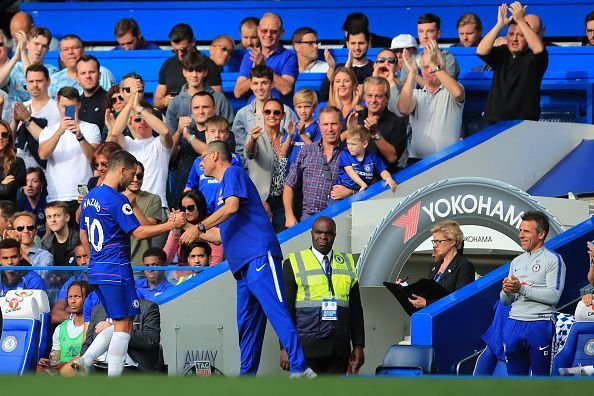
(312,281)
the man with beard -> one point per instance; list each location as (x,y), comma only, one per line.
(93,98)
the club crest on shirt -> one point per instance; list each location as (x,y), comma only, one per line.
(535,267)
(136,303)
(127,209)
(367,167)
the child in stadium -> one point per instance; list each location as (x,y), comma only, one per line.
(307,130)
(357,166)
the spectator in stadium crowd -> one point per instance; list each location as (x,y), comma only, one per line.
(193,204)
(68,336)
(24,230)
(519,67)
(129,36)
(7,209)
(429,28)
(359,21)
(452,270)
(59,311)
(93,95)
(99,163)
(154,282)
(12,168)
(388,131)
(195,71)
(307,130)
(261,83)
(144,353)
(399,44)
(357,167)
(71,50)
(196,254)
(470,30)
(68,147)
(435,110)
(220,50)
(149,206)
(217,128)
(10,255)
(248,29)
(345,94)
(386,66)
(358,43)
(32,116)
(533,287)
(190,133)
(267,160)
(589,22)
(305,43)
(153,152)
(31,49)
(314,170)
(535,23)
(23,21)
(171,78)
(34,197)
(62,238)
(114,103)
(5,48)
(326,343)
(271,53)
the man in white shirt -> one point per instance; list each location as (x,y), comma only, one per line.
(68,147)
(32,116)
(305,44)
(152,152)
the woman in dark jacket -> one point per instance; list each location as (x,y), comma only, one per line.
(451,270)
(12,168)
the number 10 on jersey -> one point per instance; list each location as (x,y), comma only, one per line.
(95,233)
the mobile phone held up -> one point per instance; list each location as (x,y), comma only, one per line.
(69,111)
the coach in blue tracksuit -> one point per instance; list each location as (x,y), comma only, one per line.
(532,287)
(255,258)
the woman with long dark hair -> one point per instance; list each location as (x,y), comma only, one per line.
(12,168)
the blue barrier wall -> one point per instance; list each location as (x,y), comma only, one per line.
(211,18)
(454,324)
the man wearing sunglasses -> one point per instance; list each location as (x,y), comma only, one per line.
(283,62)
(91,102)
(220,50)
(71,50)
(171,78)
(305,44)
(24,230)
(149,205)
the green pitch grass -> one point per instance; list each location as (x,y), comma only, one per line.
(282,386)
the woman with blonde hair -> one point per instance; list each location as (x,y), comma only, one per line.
(345,94)
(452,270)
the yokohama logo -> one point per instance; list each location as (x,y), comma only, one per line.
(409,221)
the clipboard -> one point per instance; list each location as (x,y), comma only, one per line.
(427,288)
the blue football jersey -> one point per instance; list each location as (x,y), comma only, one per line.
(108,219)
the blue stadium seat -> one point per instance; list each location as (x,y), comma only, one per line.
(578,349)
(44,317)
(407,360)
(20,335)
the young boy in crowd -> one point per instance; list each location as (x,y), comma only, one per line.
(307,130)
(357,166)
(197,255)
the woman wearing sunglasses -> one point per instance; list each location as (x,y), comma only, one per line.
(99,163)
(267,160)
(114,103)
(193,204)
(12,168)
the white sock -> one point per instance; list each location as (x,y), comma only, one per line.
(98,347)
(116,354)
(588,370)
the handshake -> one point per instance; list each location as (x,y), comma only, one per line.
(177,217)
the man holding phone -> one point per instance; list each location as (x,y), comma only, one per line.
(68,147)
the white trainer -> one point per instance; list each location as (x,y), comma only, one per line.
(572,371)
(308,373)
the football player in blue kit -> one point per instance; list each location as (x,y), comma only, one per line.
(254,256)
(107,221)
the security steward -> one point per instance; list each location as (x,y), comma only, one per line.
(322,293)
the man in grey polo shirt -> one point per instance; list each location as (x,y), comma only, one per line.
(436,109)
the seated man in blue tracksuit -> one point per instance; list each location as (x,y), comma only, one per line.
(532,287)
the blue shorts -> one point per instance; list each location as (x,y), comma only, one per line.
(119,301)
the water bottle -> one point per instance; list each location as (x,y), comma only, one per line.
(53,358)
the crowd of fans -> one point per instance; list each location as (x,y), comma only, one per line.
(303,150)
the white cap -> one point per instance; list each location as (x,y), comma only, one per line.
(404,41)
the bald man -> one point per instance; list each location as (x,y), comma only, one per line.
(24,21)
